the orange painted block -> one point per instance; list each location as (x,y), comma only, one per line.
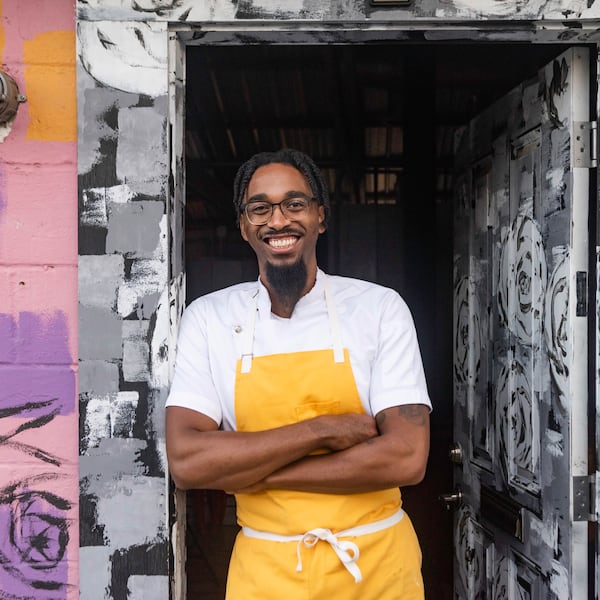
(50,83)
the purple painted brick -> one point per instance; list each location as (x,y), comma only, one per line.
(42,339)
(7,338)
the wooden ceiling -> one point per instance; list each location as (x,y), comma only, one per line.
(345,105)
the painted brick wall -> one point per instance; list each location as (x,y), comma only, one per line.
(123,308)
(38,306)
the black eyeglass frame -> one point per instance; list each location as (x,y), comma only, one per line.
(290,216)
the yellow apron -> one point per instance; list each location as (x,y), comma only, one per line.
(301,545)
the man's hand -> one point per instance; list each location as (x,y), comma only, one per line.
(396,457)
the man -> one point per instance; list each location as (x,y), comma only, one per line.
(304,395)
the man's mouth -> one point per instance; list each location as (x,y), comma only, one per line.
(281,243)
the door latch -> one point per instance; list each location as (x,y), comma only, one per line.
(452,500)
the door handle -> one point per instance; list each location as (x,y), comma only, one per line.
(456,454)
(452,500)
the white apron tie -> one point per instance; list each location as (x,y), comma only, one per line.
(346,551)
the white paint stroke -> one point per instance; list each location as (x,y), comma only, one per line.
(122,413)
(161,248)
(559,580)
(278,6)
(93,211)
(170,10)
(146,278)
(97,420)
(127,56)
(488,9)
(554,443)
(544,531)
(5,129)
(593,12)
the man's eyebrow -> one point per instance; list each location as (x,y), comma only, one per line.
(290,194)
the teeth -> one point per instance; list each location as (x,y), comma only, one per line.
(282,243)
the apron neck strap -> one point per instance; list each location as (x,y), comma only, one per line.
(334,324)
(248,340)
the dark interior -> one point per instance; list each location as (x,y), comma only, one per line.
(380,120)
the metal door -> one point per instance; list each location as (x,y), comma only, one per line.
(520,337)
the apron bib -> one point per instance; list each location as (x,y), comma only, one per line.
(276,390)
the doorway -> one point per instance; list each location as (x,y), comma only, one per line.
(380,120)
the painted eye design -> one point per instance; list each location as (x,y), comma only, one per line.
(34,534)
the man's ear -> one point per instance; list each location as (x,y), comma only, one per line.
(243,228)
(322,226)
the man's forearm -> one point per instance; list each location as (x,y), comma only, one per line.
(394,459)
(202,457)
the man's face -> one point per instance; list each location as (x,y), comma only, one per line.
(282,241)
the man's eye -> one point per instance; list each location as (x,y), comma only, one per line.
(296,204)
(258,209)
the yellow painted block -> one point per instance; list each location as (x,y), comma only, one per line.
(50,86)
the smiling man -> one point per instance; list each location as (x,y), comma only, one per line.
(304,395)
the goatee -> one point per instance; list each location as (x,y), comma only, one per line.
(287,282)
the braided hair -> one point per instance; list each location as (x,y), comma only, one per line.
(300,161)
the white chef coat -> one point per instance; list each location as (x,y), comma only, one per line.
(376,328)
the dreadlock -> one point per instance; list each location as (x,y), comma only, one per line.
(300,161)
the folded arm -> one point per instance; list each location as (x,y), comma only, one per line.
(396,457)
(201,456)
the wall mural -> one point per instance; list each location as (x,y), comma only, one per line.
(124,312)
(37,504)
(38,312)
(125,290)
(215,10)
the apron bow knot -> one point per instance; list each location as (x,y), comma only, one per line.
(347,552)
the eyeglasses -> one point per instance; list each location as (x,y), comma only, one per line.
(259,212)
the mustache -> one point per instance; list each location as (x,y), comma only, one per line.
(271,231)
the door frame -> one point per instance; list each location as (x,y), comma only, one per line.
(275,32)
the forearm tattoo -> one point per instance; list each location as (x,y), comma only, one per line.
(416,413)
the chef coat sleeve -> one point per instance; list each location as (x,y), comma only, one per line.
(397,375)
(193,384)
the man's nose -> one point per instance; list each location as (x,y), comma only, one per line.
(278,218)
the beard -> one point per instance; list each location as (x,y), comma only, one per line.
(287,282)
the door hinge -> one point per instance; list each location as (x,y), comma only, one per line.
(585,503)
(585,144)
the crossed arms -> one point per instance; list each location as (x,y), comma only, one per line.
(366,454)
